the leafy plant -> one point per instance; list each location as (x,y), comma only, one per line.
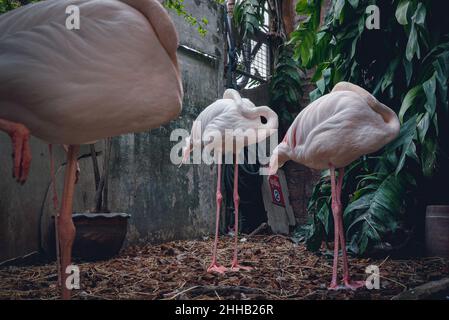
(406,65)
(249,17)
(285,85)
(179,7)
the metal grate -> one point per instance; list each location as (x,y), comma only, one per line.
(249,64)
(259,64)
(253,66)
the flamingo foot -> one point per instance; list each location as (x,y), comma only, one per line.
(348,285)
(353,285)
(214,267)
(20,137)
(333,286)
(236,267)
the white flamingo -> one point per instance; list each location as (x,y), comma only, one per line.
(117,74)
(332,132)
(228,119)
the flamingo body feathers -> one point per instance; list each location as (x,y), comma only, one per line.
(337,129)
(112,76)
(228,119)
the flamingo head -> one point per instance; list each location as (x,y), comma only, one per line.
(261,119)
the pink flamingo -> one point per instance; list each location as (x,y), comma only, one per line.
(229,118)
(332,132)
(117,74)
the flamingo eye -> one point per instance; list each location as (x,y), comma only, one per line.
(263,120)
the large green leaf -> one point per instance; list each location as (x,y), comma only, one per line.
(376,212)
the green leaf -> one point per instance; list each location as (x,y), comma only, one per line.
(315,94)
(376,212)
(388,77)
(321,85)
(407,132)
(412,44)
(420,15)
(441,66)
(339,5)
(354,3)
(401,12)
(423,126)
(429,89)
(411,152)
(408,68)
(409,100)
(323,215)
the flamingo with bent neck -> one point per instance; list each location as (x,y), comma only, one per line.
(230,117)
(118,73)
(330,133)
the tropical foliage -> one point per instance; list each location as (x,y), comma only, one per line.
(405,64)
(285,85)
(249,17)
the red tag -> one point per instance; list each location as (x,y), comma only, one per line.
(276,191)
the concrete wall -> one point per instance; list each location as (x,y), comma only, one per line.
(165,202)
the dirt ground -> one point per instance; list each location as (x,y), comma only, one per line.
(176,270)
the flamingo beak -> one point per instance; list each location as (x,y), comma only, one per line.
(274,164)
(185,155)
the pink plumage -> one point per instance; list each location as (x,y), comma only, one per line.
(338,128)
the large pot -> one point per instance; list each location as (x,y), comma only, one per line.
(99,236)
(437,231)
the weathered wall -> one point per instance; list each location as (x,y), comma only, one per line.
(165,202)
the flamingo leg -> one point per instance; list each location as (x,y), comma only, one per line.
(78,170)
(214,267)
(65,222)
(55,206)
(235,265)
(20,136)
(346,278)
(335,209)
(339,234)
